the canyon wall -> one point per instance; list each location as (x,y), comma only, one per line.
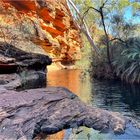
(35,24)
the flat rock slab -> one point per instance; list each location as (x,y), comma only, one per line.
(25,114)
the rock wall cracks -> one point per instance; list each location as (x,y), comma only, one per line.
(35,24)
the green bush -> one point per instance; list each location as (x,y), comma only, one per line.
(127,64)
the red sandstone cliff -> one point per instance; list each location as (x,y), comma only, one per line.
(34,24)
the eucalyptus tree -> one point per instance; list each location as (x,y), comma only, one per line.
(87,13)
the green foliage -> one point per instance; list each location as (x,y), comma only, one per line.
(125,51)
(86,58)
(121,28)
(127,64)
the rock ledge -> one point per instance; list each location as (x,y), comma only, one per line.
(28,113)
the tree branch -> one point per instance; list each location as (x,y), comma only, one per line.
(85,30)
(120,40)
(103,5)
(116,39)
(89,8)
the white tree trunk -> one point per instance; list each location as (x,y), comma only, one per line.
(84,27)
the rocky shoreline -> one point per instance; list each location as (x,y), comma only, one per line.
(26,114)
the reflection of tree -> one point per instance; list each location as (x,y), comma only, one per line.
(116,97)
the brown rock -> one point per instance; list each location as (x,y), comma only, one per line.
(28,113)
(28,24)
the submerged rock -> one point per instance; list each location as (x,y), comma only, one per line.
(26,114)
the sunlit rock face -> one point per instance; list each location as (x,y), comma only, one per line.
(35,24)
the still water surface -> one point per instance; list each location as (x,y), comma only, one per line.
(104,94)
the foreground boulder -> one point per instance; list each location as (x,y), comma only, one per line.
(25,114)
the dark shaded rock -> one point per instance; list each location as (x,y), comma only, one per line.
(32,79)
(28,113)
(6,60)
(7,64)
(13,59)
(24,80)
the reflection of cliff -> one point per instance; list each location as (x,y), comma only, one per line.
(65,78)
(45,23)
(57,136)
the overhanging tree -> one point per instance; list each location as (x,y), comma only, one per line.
(106,10)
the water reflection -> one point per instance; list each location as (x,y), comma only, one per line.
(65,78)
(71,80)
(104,94)
(115,96)
(81,87)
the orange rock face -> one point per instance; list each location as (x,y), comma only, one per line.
(40,23)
